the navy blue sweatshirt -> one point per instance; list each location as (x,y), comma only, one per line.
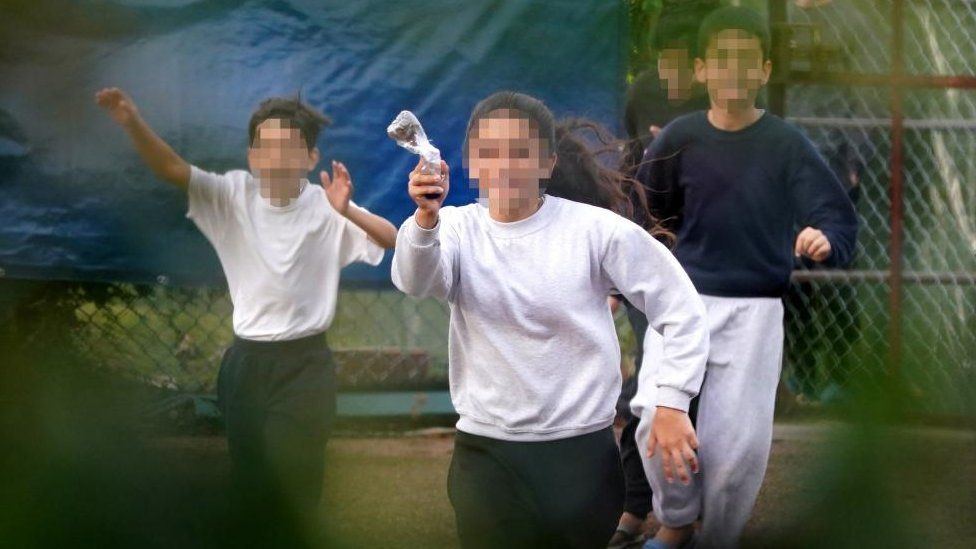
(734,200)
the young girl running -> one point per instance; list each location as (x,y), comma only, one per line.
(534,358)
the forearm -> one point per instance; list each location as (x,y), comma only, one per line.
(157,154)
(822,202)
(678,315)
(378,229)
(418,267)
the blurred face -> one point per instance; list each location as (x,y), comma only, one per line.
(279,158)
(675,68)
(507,158)
(733,69)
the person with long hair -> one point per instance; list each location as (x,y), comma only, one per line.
(534,357)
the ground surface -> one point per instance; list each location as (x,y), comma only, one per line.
(826,484)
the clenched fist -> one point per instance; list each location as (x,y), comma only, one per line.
(812,243)
(428,192)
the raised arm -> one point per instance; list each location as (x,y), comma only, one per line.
(339,191)
(424,262)
(156,153)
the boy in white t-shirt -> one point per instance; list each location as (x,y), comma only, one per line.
(282,243)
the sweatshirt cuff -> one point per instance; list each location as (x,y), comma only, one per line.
(673,398)
(831,261)
(420,236)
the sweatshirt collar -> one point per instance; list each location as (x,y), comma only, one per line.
(744,133)
(516,229)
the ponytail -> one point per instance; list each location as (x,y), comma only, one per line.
(580,176)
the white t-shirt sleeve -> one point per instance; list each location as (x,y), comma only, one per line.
(649,276)
(209,201)
(354,243)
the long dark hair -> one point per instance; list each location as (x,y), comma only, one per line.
(578,174)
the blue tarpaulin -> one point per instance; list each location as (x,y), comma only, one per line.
(77,203)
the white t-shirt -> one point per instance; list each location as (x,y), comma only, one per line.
(533,349)
(282,263)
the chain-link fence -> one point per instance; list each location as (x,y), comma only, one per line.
(175,337)
(887,90)
(906,307)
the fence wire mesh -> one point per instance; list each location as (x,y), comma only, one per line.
(175,337)
(838,323)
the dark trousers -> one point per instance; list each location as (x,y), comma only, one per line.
(637,498)
(278,402)
(564,493)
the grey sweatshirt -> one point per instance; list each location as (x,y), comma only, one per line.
(532,347)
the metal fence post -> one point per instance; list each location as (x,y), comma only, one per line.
(896,193)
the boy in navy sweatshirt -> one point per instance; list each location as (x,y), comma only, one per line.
(734,183)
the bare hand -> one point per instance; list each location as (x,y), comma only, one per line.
(812,243)
(673,436)
(428,192)
(119,105)
(339,189)
(655,131)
